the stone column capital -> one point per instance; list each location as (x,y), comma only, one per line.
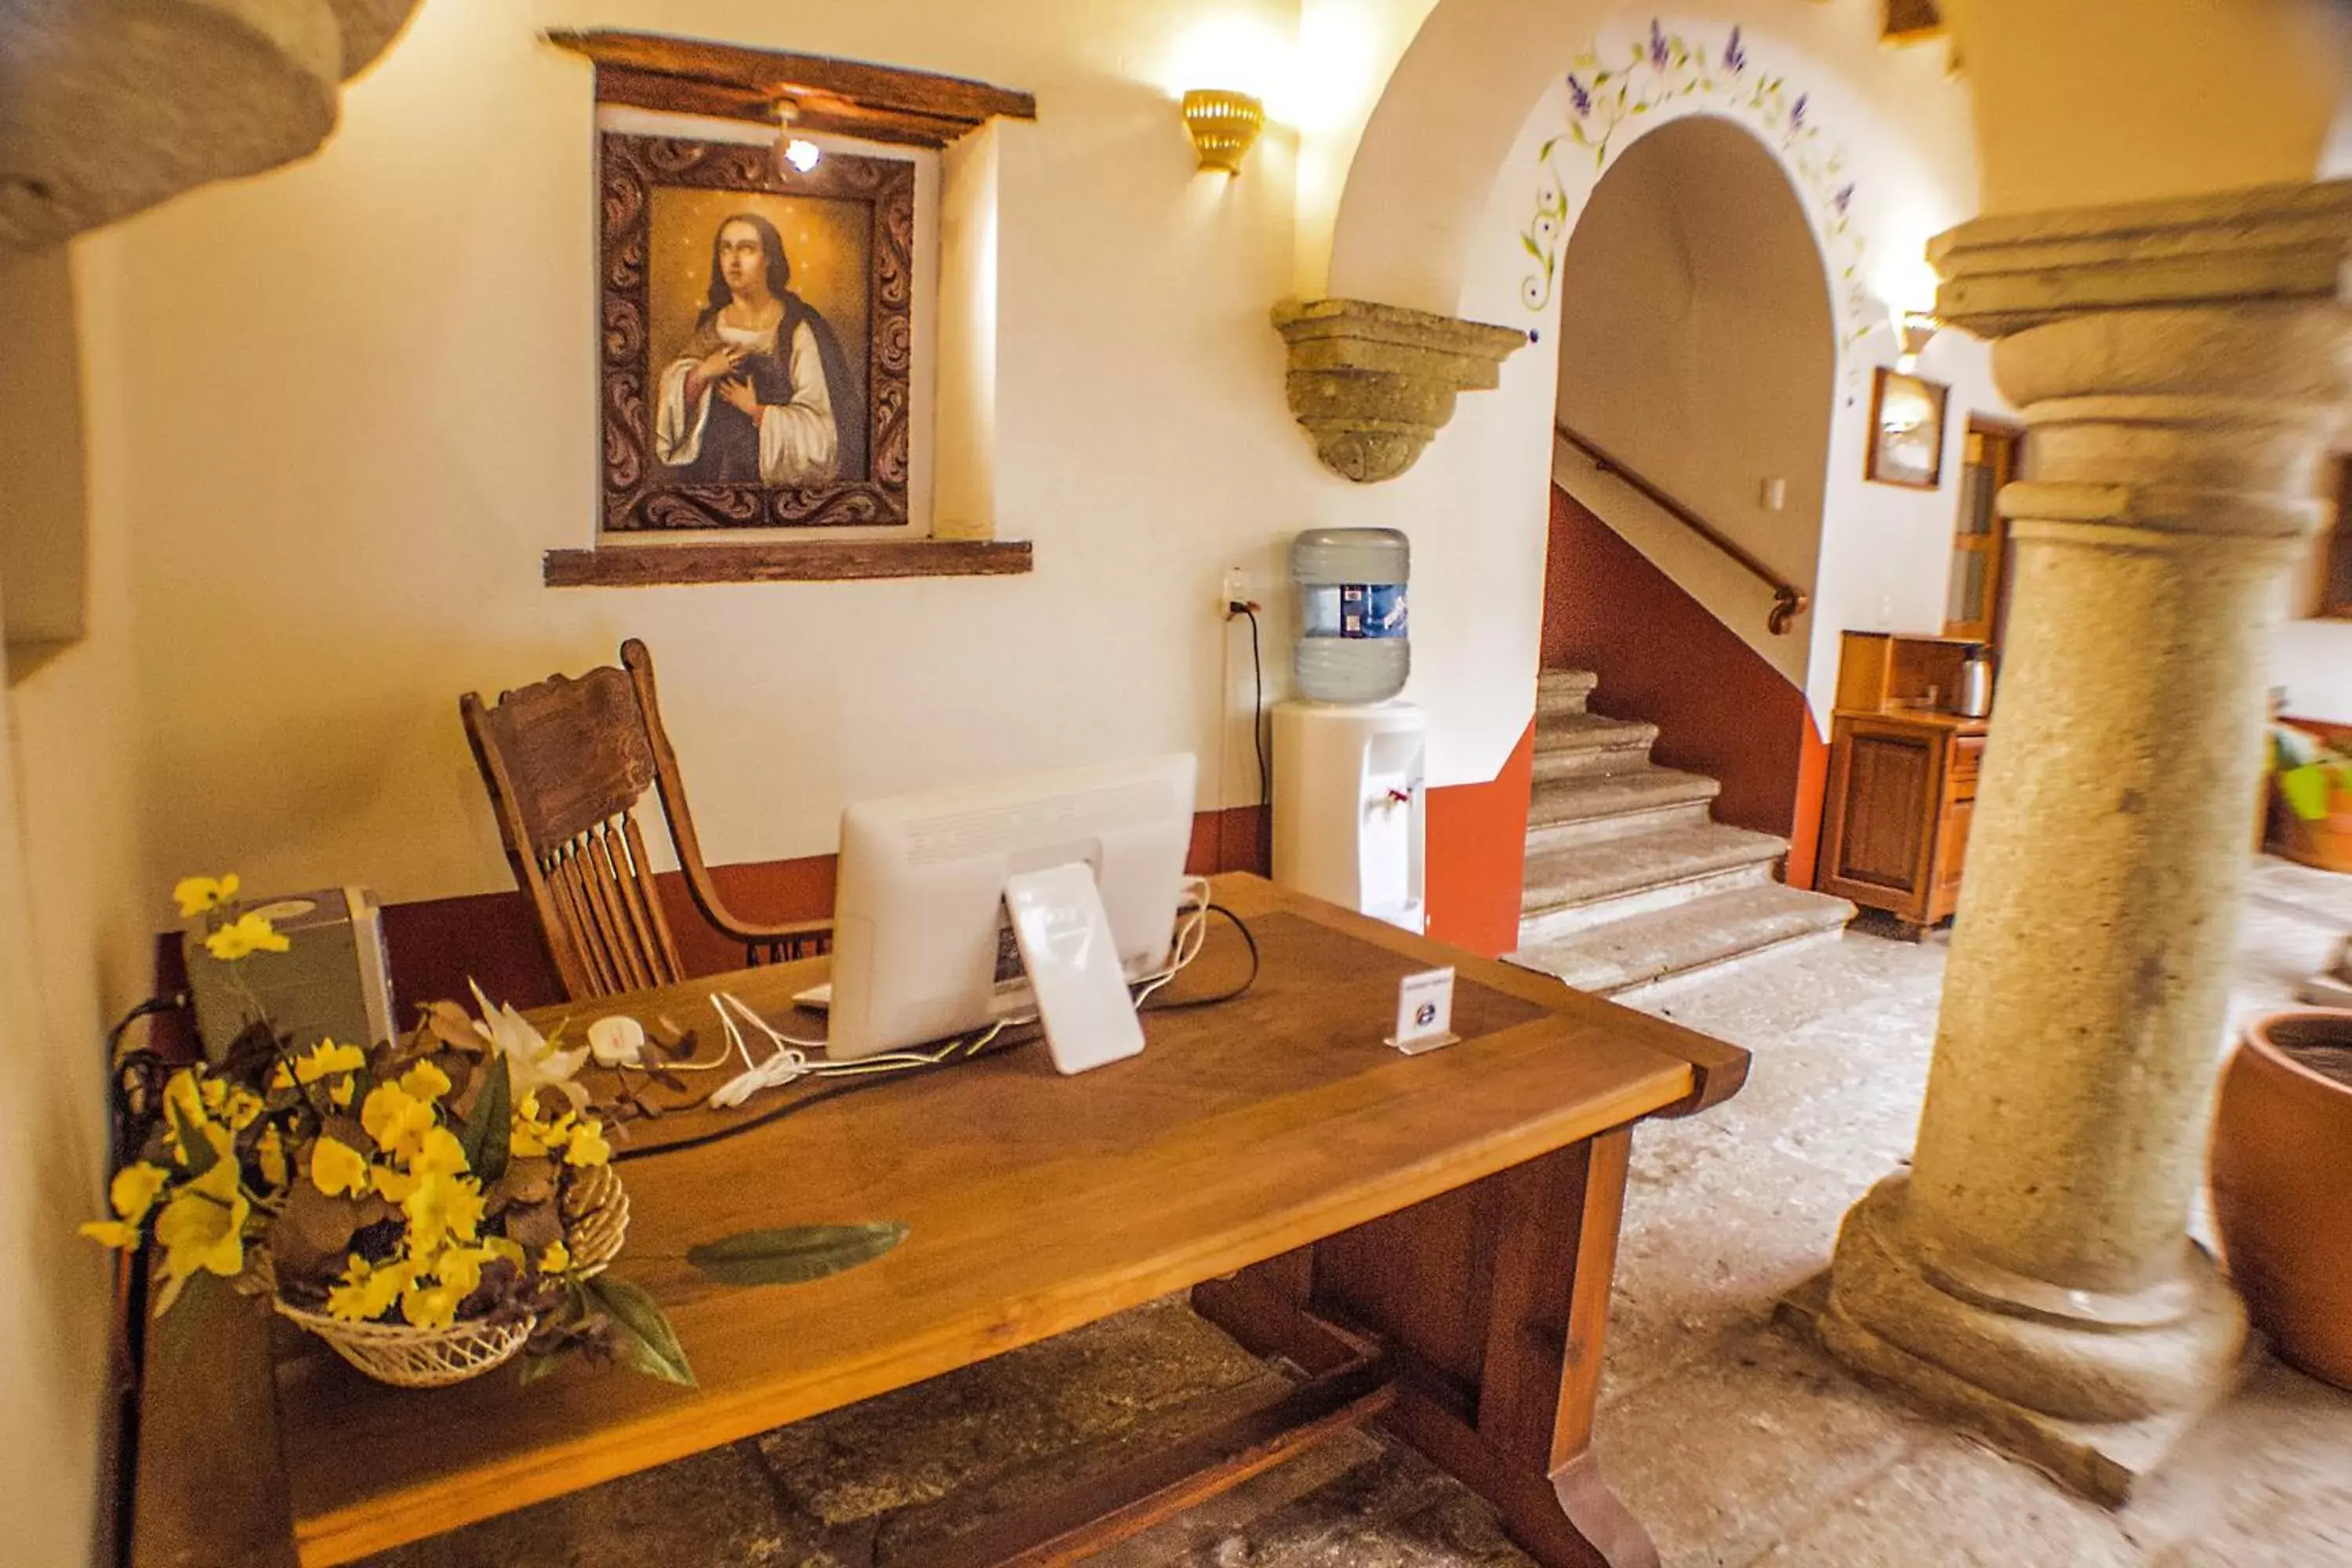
(2270,244)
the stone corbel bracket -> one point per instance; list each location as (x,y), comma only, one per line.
(1373,383)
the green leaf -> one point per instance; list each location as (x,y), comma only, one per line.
(794,1255)
(2304,789)
(647,1339)
(1533,248)
(199,1154)
(486,1134)
(535,1367)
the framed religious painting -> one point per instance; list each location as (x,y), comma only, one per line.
(757,336)
(1907,430)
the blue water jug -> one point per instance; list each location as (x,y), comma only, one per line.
(1352,646)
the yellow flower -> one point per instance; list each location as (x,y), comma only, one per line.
(424,1082)
(327,1058)
(555,1259)
(500,1247)
(392,1183)
(198,894)
(132,1191)
(112,1233)
(250,932)
(431,1306)
(239,1108)
(588,1146)
(183,1100)
(338,1168)
(368,1290)
(443,1208)
(397,1118)
(438,1151)
(461,1267)
(203,1227)
(340,1092)
(269,1154)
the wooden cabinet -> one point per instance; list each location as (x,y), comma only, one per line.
(1902,792)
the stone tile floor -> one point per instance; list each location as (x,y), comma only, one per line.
(1732,1438)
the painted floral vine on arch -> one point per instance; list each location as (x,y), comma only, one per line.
(1615,85)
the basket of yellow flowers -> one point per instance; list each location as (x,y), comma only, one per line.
(430,1207)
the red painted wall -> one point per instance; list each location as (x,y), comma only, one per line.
(1478,850)
(1661,656)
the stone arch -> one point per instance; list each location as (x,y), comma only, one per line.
(1562,90)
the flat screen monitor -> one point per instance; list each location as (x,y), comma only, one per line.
(921,947)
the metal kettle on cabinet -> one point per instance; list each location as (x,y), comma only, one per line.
(1974,698)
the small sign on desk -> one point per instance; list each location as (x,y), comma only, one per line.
(1424,1012)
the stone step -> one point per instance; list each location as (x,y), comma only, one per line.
(1689,939)
(1585,885)
(1636,790)
(1564,691)
(1571,744)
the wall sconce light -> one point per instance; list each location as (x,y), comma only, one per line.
(801,154)
(1224,125)
(1913,328)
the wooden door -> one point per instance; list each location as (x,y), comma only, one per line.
(1978,600)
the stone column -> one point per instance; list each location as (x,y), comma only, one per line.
(2182,367)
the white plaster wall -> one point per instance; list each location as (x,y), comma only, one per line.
(360,403)
(73,950)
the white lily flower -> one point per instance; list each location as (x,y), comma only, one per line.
(533,1064)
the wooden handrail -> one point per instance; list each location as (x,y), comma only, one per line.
(1789,601)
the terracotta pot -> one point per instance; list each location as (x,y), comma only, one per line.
(2281,1169)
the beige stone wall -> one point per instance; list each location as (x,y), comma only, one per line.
(73,955)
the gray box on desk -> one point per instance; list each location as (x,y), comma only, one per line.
(332,981)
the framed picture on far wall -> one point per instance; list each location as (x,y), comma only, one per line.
(1907,430)
(757,336)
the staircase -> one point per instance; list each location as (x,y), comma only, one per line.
(1630,881)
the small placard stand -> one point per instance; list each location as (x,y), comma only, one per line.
(1072,958)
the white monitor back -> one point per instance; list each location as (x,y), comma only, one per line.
(920,948)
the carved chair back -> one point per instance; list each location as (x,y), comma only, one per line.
(567,763)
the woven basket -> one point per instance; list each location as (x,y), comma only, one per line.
(408,1357)
(595,1221)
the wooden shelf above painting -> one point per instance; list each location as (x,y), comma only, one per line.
(654,477)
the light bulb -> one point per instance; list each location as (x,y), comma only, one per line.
(801,154)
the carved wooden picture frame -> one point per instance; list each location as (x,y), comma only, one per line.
(719,378)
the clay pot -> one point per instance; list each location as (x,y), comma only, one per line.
(2282,1170)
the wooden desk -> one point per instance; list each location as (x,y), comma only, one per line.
(1430,1237)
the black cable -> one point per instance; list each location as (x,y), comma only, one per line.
(835,1092)
(1248,980)
(1258,713)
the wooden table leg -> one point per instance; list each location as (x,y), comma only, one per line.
(1496,1298)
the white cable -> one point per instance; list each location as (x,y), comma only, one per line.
(789,1062)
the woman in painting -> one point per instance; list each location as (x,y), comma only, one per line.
(750,400)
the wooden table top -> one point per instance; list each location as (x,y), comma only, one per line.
(1036,1203)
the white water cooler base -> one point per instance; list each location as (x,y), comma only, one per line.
(1350,815)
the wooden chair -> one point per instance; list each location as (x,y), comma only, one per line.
(567,763)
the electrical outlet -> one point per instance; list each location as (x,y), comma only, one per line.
(1236,590)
